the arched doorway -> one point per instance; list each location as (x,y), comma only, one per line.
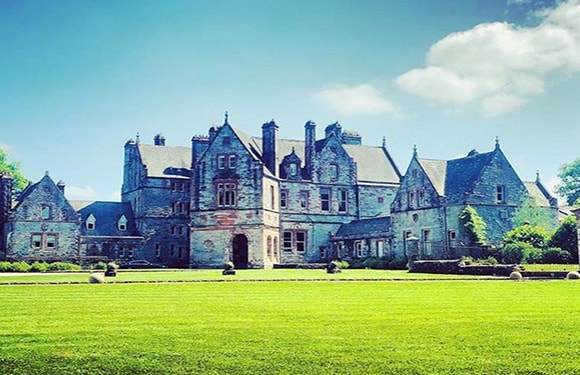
(240,251)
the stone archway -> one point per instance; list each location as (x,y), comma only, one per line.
(240,251)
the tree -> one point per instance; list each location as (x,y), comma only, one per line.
(12,168)
(570,177)
(566,237)
(474,226)
(534,215)
(535,236)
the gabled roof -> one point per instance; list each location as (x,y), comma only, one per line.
(107,215)
(436,171)
(462,174)
(540,194)
(158,158)
(58,196)
(364,228)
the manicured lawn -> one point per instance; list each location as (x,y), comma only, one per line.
(213,275)
(408,327)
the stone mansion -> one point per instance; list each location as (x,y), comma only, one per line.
(264,202)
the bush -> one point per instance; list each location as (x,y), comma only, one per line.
(555,255)
(63,266)
(39,267)
(5,266)
(535,236)
(19,267)
(515,252)
(98,266)
(342,264)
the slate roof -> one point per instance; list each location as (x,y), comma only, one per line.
(452,178)
(364,228)
(107,215)
(538,193)
(158,158)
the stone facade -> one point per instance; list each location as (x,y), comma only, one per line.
(264,201)
(434,193)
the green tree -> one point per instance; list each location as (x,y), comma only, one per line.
(535,236)
(534,215)
(12,168)
(474,226)
(566,237)
(570,182)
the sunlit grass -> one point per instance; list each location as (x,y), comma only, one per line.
(436,327)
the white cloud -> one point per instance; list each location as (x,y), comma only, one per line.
(498,66)
(360,100)
(85,193)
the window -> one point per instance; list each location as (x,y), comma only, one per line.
(157,250)
(130,252)
(91,222)
(293,169)
(36,241)
(380,248)
(272,198)
(45,212)
(122,223)
(172,251)
(180,207)
(232,161)
(421,198)
(288,240)
(276,258)
(410,198)
(269,247)
(227,194)
(294,240)
(325,199)
(300,241)
(221,161)
(226,141)
(333,172)
(358,249)
(380,200)
(44,241)
(322,252)
(180,230)
(304,199)
(283,199)
(50,241)
(500,194)
(342,200)
(426,237)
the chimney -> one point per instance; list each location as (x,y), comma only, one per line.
(269,130)
(6,183)
(61,185)
(199,144)
(309,147)
(212,133)
(159,140)
(335,129)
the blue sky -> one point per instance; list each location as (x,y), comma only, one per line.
(78,78)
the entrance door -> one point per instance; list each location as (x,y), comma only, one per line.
(240,251)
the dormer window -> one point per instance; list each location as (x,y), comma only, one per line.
(293,169)
(122,223)
(91,222)
(45,212)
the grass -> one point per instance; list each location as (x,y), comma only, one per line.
(215,275)
(436,327)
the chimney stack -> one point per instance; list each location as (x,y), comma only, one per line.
(309,147)
(269,130)
(159,140)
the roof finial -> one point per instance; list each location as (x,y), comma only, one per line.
(414,150)
(384,142)
(537,175)
(137,138)
(226,115)
(496,142)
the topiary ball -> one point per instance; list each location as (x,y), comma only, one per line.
(96,278)
(573,275)
(515,275)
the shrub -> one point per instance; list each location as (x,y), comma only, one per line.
(555,255)
(39,267)
(566,238)
(373,262)
(474,225)
(19,267)
(98,266)
(515,252)
(342,264)
(63,266)
(5,266)
(535,236)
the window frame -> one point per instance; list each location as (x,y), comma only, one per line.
(342,200)
(325,198)
(283,198)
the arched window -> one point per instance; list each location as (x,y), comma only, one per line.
(269,247)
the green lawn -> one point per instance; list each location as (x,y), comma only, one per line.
(216,275)
(408,327)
